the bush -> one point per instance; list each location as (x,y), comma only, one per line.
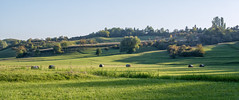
(57,49)
(129,44)
(199,52)
(161,45)
(98,52)
(185,51)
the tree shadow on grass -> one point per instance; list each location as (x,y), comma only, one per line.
(150,58)
(218,55)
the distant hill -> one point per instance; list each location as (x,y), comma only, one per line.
(7,53)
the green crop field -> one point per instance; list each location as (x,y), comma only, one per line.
(152,75)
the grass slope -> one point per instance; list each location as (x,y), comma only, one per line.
(219,59)
(121,88)
(78,76)
(7,53)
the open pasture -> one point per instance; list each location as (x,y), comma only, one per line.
(219,60)
(152,75)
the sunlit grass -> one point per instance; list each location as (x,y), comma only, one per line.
(120,88)
(78,76)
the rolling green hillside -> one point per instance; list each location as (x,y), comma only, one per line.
(219,59)
(7,53)
(153,75)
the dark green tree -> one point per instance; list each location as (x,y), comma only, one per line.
(104,33)
(186,29)
(29,41)
(98,52)
(218,22)
(57,49)
(48,39)
(149,30)
(129,44)
(21,52)
(37,52)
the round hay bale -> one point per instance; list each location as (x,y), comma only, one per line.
(101,65)
(128,65)
(190,65)
(51,67)
(201,65)
(34,67)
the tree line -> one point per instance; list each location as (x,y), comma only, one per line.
(217,33)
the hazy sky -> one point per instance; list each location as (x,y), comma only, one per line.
(23,19)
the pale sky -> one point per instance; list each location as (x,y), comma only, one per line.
(23,19)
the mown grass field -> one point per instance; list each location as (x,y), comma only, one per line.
(153,75)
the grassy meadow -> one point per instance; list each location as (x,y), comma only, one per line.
(120,88)
(153,75)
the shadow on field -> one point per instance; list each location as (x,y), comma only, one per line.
(151,58)
(147,89)
(56,58)
(222,55)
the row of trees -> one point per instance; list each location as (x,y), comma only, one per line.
(31,49)
(120,32)
(128,44)
(33,46)
(215,34)
(219,33)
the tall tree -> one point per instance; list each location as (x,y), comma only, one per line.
(37,52)
(186,29)
(149,30)
(218,23)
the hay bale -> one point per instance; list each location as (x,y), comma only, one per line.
(201,65)
(128,65)
(35,67)
(51,67)
(190,65)
(101,65)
